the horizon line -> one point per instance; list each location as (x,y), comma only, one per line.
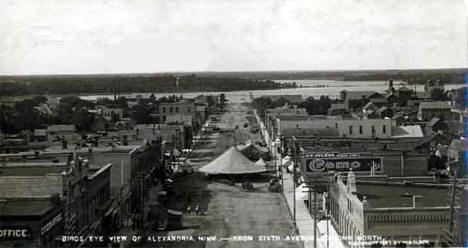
(214,71)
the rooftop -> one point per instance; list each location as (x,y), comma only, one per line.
(407,132)
(61,128)
(25,206)
(31,169)
(30,186)
(358,95)
(395,195)
(435,105)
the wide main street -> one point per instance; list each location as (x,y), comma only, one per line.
(229,213)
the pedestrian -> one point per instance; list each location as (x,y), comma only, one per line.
(197,210)
(189,209)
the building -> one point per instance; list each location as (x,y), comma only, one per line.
(57,132)
(37,220)
(436,125)
(175,135)
(293,99)
(110,113)
(337,109)
(148,166)
(395,213)
(439,109)
(84,193)
(357,99)
(180,112)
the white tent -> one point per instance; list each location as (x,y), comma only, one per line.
(231,162)
(260,162)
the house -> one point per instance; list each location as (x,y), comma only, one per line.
(40,135)
(369,108)
(404,94)
(57,132)
(439,109)
(396,214)
(391,98)
(110,113)
(337,109)
(384,112)
(357,99)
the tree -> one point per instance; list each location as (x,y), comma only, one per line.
(222,100)
(82,120)
(438,94)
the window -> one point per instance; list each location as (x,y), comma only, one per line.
(372,130)
(360,129)
(189,109)
(164,109)
(297,125)
(384,129)
(336,125)
(177,109)
(350,129)
(170,110)
(164,118)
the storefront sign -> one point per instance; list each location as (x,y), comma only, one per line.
(51,223)
(15,233)
(338,162)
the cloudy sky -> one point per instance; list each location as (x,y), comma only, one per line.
(122,36)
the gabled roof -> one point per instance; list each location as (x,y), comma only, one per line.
(358,95)
(381,110)
(435,105)
(433,121)
(403,88)
(232,162)
(407,132)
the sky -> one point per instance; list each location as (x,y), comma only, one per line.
(141,36)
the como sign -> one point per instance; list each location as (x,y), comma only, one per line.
(314,165)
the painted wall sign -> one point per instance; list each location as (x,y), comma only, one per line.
(340,163)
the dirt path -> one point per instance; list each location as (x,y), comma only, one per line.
(229,211)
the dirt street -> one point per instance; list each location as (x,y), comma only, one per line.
(228,211)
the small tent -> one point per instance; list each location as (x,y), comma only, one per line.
(253,151)
(260,162)
(231,162)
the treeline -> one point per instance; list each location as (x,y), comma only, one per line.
(448,76)
(312,105)
(88,84)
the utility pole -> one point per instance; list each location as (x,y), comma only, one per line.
(294,179)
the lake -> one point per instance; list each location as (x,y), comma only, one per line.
(314,88)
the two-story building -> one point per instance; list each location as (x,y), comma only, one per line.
(180,112)
(438,109)
(388,214)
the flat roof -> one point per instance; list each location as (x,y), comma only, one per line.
(19,169)
(395,195)
(25,206)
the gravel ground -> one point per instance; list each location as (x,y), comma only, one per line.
(228,210)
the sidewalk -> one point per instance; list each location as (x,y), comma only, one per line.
(305,222)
